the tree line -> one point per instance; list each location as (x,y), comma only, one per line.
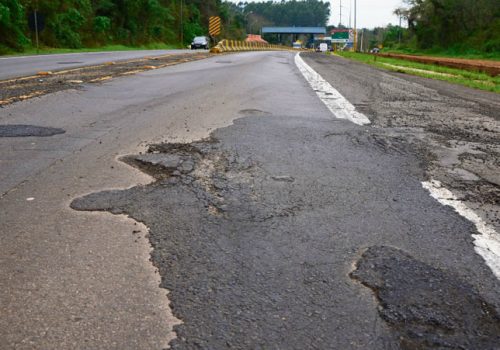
(456,26)
(94,23)
(79,23)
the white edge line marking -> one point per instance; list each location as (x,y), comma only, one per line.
(336,103)
(487,242)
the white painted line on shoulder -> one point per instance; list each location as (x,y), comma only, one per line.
(487,241)
(336,103)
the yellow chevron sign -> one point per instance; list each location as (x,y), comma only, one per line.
(214,25)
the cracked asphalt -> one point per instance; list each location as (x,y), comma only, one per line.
(272,224)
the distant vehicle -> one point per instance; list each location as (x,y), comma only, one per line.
(375,50)
(297,45)
(200,42)
(323,47)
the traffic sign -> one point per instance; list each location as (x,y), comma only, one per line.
(36,21)
(214,26)
(342,36)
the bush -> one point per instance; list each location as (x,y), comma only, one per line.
(102,24)
(66,26)
(12,25)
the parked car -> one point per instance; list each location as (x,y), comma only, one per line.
(375,50)
(200,42)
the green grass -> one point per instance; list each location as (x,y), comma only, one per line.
(49,50)
(475,80)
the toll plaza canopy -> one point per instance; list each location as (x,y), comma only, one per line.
(293,30)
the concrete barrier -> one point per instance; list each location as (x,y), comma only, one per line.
(235,45)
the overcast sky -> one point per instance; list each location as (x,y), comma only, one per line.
(371,13)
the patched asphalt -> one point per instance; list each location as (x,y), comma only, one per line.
(257,231)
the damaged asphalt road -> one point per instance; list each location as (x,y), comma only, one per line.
(24,88)
(260,232)
(273,225)
(455,129)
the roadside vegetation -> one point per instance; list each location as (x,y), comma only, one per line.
(451,28)
(130,24)
(77,24)
(475,80)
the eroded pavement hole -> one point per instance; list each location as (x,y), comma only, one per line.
(16,130)
(428,308)
(253,112)
(75,62)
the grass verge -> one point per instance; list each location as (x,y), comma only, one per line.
(474,80)
(50,50)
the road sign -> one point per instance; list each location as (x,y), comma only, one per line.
(342,36)
(36,21)
(214,26)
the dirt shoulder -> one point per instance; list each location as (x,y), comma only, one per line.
(487,66)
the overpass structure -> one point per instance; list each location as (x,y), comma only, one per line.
(294,30)
(291,34)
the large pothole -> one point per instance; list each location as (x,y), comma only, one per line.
(428,308)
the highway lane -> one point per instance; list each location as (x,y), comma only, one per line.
(16,66)
(262,234)
(70,280)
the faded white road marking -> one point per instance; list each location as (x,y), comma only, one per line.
(336,103)
(487,242)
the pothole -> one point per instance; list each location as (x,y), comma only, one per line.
(427,307)
(253,112)
(16,130)
(75,62)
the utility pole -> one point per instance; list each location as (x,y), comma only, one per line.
(36,27)
(362,39)
(355,28)
(350,14)
(400,29)
(340,22)
(182,24)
